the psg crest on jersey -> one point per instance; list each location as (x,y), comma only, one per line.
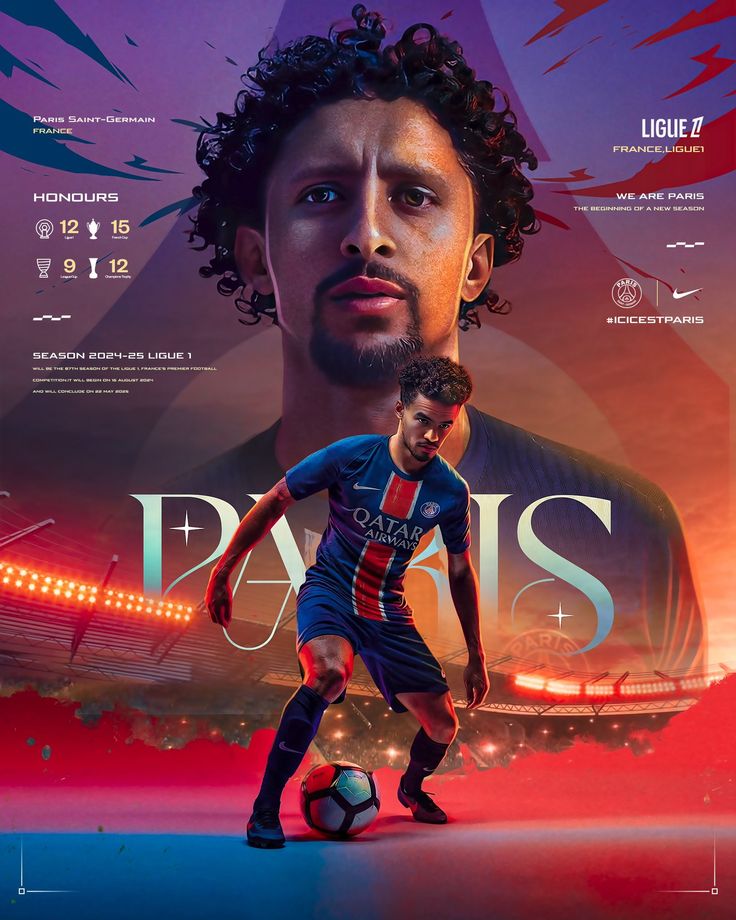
(430,509)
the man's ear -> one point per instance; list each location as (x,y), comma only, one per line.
(480,267)
(250,258)
(399,408)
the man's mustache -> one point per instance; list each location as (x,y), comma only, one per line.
(370,270)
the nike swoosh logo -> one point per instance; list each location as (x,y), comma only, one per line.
(680,294)
(358,487)
(283,747)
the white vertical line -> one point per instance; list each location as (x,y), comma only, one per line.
(383,585)
(355,579)
(715,885)
(657,304)
(386,490)
(414,502)
(21,862)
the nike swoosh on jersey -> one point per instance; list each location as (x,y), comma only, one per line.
(283,747)
(678,295)
(358,487)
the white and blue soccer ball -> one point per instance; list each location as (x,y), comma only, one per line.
(339,798)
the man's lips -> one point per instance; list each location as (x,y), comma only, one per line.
(365,294)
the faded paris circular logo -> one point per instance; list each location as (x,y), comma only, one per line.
(430,509)
(626,293)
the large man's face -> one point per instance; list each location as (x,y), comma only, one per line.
(369,242)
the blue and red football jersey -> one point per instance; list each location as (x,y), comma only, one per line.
(378,514)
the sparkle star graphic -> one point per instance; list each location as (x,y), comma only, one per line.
(559,616)
(186,528)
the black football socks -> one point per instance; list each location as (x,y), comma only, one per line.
(425,756)
(298,726)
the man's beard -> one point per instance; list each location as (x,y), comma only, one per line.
(408,447)
(349,364)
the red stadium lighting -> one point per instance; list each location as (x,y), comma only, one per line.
(78,594)
(652,688)
(700,683)
(562,688)
(530,681)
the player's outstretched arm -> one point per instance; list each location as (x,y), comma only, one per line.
(251,530)
(464,590)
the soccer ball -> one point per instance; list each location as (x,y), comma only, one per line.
(339,798)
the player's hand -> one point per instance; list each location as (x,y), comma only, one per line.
(477,683)
(218,598)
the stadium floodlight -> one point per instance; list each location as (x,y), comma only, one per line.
(563,688)
(21,579)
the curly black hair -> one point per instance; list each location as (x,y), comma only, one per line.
(436,378)
(288,83)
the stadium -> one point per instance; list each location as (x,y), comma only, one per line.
(102,643)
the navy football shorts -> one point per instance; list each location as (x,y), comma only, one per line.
(395,655)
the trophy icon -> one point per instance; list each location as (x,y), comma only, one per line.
(92,264)
(93,226)
(44,228)
(43,266)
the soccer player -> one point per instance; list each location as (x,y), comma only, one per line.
(385,493)
(360,195)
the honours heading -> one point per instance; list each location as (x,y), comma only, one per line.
(112,356)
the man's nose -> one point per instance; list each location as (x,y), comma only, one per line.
(368,234)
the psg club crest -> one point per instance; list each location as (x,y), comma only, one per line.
(626,293)
(430,509)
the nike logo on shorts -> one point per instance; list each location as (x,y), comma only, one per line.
(283,747)
(358,487)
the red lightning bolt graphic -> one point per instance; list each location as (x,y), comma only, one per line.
(713,66)
(571,10)
(718,10)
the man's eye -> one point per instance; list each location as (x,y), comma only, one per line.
(321,194)
(416,197)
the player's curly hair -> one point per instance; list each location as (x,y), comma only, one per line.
(288,83)
(436,378)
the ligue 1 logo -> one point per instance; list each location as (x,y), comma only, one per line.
(430,509)
(626,293)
